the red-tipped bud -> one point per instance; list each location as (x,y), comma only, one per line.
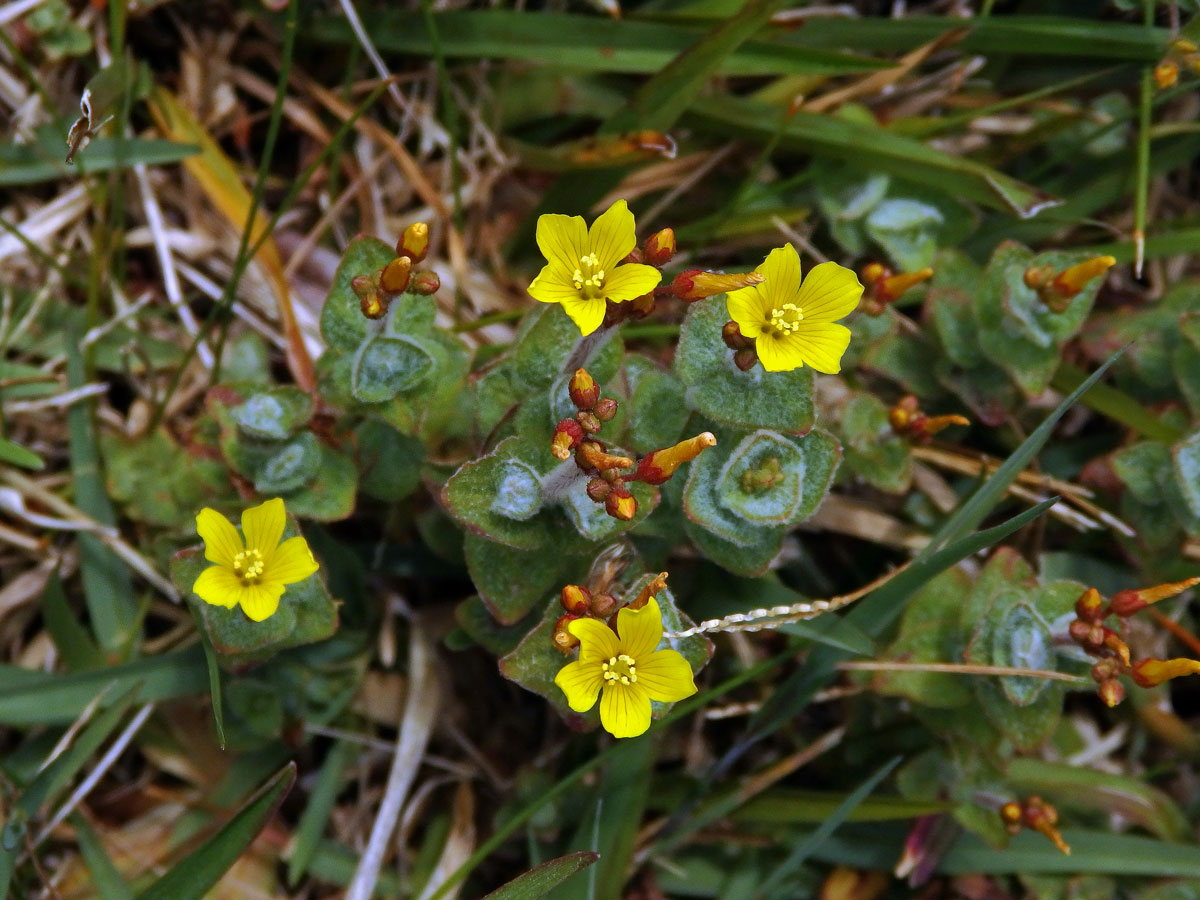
(597,490)
(590,457)
(603,605)
(1126,603)
(414,243)
(1149,673)
(659,465)
(1090,606)
(567,435)
(1114,645)
(873,273)
(583,389)
(563,640)
(620,504)
(696,284)
(605,409)
(395,275)
(640,307)
(588,421)
(1112,692)
(425,283)
(660,247)
(732,335)
(575,599)
(1166,74)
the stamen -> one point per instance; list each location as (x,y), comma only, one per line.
(248,565)
(619,670)
(787,318)
(588,277)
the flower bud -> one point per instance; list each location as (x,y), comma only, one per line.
(620,504)
(873,273)
(583,389)
(425,283)
(588,421)
(597,490)
(605,409)
(659,465)
(901,415)
(1112,692)
(396,274)
(745,359)
(1115,645)
(890,287)
(1038,277)
(590,456)
(639,307)
(1088,635)
(603,605)
(1042,817)
(567,435)
(1126,603)
(563,640)
(1106,670)
(575,599)
(364,285)
(660,247)
(656,584)
(1166,74)
(1149,673)
(696,284)
(1069,282)
(1090,606)
(1011,814)
(414,243)
(732,335)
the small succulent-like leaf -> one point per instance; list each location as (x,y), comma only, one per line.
(470,495)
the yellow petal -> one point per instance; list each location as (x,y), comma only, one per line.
(221,540)
(292,562)
(219,586)
(259,601)
(630,281)
(612,235)
(587,314)
(263,527)
(625,710)
(553,285)
(666,676)
(562,240)
(750,308)
(822,345)
(581,682)
(640,630)
(782,271)
(597,641)
(779,354)
(829,292)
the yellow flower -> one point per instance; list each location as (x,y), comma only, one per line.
(583,268)
(626,667)
(793,322)
(252,574)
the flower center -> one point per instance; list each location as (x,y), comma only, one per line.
(619,670)
(248,566)
(589,277)
(786,319)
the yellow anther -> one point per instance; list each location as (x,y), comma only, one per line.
(588,277)
(248,565)
(619,670)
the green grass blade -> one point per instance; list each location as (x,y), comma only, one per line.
(107,584)
(75,646)
(42,698)
(1096,852)
(622,795)
(973,511)
(24,164)
(804,850)
(107,880)
(17,455)
(1116,404)
(549,875)
(315,817)
(580,42)
(192,877)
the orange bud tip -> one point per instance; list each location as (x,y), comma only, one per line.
(1166,74)
(660,247)
(414,243)
(1070,282)
(657,583)
(1111,692)
(891,287)
(874,272)
(396,274)
(575,599)
(1090,606)
(1149,673)
(563,640)
(620,504)
(1126,603)
(933,424)
(583,389)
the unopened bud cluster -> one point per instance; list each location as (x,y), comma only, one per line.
(907,419)
(1182,54)
(577,436)
(578,602)
(1036,814)
(1057,289)
(377,290)
(1088,630)
(883,286)
(744,353)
